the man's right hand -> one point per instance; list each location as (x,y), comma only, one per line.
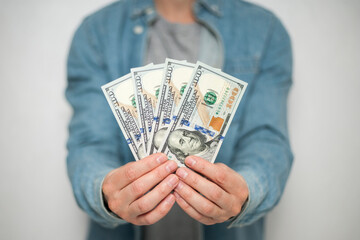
(140,192)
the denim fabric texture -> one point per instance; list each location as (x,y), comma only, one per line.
(256,49)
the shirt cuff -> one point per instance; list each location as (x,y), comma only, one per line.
(111,219)
(256,195)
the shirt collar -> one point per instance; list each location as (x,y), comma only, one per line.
(141,7)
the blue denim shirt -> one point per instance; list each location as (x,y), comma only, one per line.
(256,49)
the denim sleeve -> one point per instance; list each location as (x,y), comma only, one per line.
(93,145)
(263,155)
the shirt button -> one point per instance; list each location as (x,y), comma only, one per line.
(149,11)
(215,8)
(138,29)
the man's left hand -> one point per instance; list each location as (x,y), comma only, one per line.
(210,193)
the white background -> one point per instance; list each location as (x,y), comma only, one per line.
(321,200)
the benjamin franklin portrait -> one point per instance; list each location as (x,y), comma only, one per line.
(183,143)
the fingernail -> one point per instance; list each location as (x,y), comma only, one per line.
(190,161)
(160,159)
(169,199)
(172,181)
(171,166)
(179,186)
(182,173)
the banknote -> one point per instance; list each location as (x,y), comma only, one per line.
(205,112)
(147,81)
(120,95)
(176,76)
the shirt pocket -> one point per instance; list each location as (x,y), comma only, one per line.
(243,68)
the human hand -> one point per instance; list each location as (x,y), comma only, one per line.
(212,197)
(140,192)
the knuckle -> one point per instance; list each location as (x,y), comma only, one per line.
(222,219)
(138,221)
(125,215)
(201,166)
(195,180)
(143,206)
(162,189)
(112,204)
(216,194)
(202,219)
(130,172)
(185,193)
(222,166)
(150,163)
(163,211)
(147,221)
(107,188)
(207,209)
(137,188)
(235,210)
(208,222)
(185,206)
(159,174)
(162,155)
(220,177)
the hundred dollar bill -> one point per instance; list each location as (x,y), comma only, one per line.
(147,81)
(120,95)
(177,75)
(206,110)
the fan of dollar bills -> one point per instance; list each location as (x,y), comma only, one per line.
(177,108)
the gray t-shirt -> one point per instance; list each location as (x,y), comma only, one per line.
(189,42)
(181,42)
(172,40)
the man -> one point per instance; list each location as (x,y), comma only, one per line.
(230,197)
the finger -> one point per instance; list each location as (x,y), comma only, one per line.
(191,211)
(198,202)
(218,173)
(207,188)
(158,213)
(121,177)
(146,182)
(149,201)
